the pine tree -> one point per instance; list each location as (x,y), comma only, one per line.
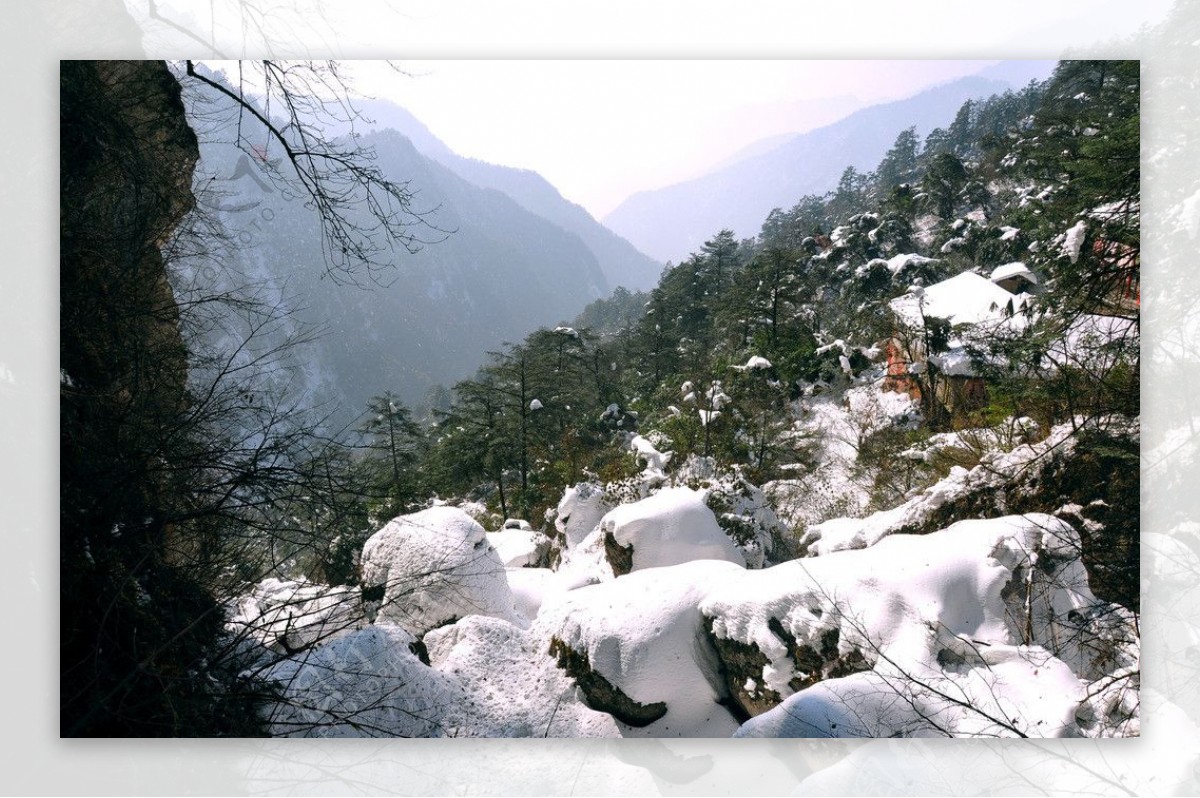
(392,442)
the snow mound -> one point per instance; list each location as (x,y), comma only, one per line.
(486,678)
(517,547)
(287,615)
(516,690)
(670,527)
(530,586)
(434,567)
(635,645)
(996,613)
(366,684)
(1016,691)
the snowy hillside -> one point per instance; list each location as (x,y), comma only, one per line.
(652,623)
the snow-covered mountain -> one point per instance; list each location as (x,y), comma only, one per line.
(671,222)
(487,269)
(621,262)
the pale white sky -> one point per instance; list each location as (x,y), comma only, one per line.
(602,130)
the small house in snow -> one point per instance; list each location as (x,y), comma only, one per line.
(936,325)
(1015,278)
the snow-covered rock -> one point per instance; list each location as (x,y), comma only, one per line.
(996,613)
(517,546)
(580,510)
(366,684)
(1014,691)
(432,567)
(510,685)
(670,527)
(635,645)
(286,615)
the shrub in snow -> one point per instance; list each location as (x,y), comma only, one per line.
(839,424)
(429,568)
(655,461)
(1072,240)
(478,511)
(1093,467)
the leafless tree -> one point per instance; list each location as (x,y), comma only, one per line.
(289,117)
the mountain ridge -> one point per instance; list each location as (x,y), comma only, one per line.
(623,264)
(672,221)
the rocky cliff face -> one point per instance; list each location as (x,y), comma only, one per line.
(126,161)
(127,158)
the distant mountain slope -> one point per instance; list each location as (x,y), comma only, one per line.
(497,273)
(671,222)
(620,261)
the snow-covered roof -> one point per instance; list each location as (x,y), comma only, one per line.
(1016,269)
(965,298)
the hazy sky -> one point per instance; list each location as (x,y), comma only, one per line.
(602,130)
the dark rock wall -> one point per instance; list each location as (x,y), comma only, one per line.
(136,630)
